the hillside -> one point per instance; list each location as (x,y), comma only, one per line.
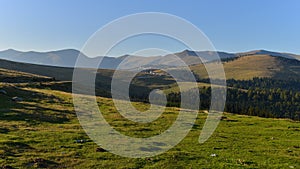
(11,76)
(58,73)
(277,95)
(265,52)
(42,131)
(102,81)
(248,67)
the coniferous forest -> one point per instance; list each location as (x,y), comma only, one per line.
(264,97)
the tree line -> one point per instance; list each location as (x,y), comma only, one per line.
(264,97)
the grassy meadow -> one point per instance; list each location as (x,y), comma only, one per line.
(248,67)
(42,132)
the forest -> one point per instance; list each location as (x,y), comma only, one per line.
(263,97)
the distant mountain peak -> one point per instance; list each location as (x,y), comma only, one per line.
(188,52)
(11,50)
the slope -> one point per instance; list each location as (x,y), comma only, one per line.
(248,67)
(42,131)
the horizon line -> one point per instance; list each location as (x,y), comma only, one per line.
(65,49)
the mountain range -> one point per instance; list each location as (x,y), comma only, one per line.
(242,66)
(68,57)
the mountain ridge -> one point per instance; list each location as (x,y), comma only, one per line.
(68,57)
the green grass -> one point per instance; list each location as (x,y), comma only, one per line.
(12,76)
(41,132)
(185,86)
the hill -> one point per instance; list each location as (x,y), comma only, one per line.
(265,52)
(250,66)
(102,80)
(11,76)
(265,85)
(59,73)
(42,131)
(64,58)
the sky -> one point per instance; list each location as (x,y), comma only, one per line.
(231,25)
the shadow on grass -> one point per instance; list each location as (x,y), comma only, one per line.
(42,163)
(13,148)
(32,109)
(4,130)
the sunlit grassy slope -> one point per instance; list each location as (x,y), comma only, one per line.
(11,76)
(248,67)
(41,131)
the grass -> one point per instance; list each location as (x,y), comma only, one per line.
(11,76)
(42,130)
(185,86)
(248,67)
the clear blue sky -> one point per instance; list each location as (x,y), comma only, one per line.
(231,25)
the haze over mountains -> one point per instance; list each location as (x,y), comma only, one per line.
(242,66)
(68,57)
